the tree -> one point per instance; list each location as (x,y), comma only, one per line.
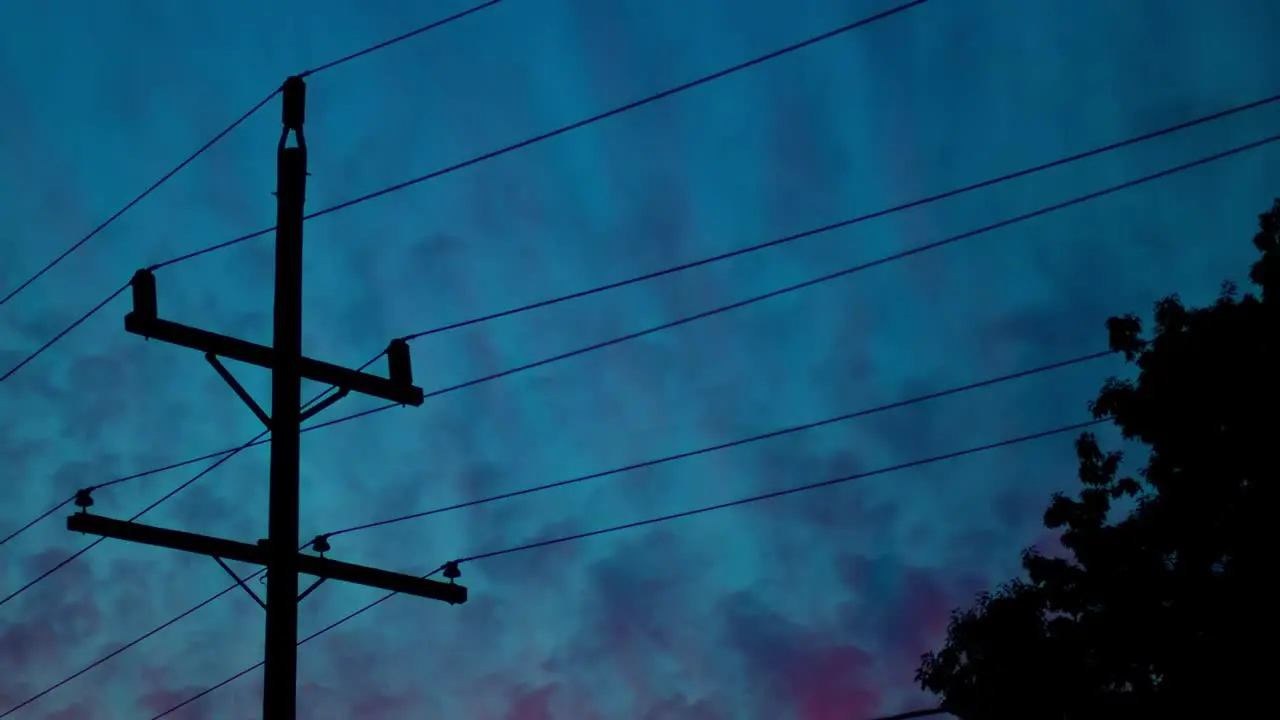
(1161,607)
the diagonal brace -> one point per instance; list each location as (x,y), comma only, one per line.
(238,388)
(312,586)
(240,582)
(323,405)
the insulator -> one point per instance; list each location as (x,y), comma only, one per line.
(320,544)
(451,570)
(293,110)
(84,499)
(399,366)
(144,294)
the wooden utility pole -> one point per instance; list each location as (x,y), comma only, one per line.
(280,552)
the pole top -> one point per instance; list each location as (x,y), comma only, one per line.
(293,110)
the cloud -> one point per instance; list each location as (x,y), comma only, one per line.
(811,606)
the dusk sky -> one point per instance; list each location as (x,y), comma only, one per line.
(814,606)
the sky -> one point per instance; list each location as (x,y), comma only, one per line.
(815,606)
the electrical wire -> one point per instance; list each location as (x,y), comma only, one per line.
(1009,377)
(1001,224)
(114,653)
(126,478)
(734,443)
(41,577)
(259,439)
(780,493)
(704,261)
(565,128)
(592,291)
(920,202)
(252,111)
(715,311)
(34,521)
(723,308)
(399,38)
(917,250)
(129,206)
(1005,223)
(990,182)
(331,64)
(80,320)
(32,583)
(221,456)
(675,516)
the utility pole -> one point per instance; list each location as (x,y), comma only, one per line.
(280,552)
(281,667)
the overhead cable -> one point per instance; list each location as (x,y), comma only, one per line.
(661,519)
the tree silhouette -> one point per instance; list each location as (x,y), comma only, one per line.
(1161,607)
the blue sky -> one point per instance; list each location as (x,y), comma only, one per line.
(814,607)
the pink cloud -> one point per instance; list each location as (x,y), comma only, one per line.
(531,704)
(832,684)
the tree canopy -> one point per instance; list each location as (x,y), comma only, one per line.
(1160,607)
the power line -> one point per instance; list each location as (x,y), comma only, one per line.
(1001,224)
(211,467)
(614,341)
(917,714)
(42,576)
(735,443)
(566,128)
(221,457)
(725,308)
(129,206)
(919,249)
(326,66)
(334,63)
(900,255)
(399,38)
(34,521)
(573,481)
(227,456)
(1254,105)
(676,516)
(78,321)
(779,493)
(618,340)
(259,439)
(154,471)
(667,271)
(115,652)
(990,182)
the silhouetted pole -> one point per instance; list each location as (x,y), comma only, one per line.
(279,553)
(279,696)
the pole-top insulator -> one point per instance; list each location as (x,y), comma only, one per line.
(144,294)
(293,110)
